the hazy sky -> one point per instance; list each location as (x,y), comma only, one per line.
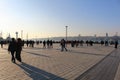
(48,18)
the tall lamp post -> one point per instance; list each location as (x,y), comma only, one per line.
(21,34)
(16,35)
(66,32)
(66,35)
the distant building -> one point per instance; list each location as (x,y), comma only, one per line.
(8,38)
(1,39)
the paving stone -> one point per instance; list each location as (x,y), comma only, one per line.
(51,64)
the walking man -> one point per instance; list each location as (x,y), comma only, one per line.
(63,46)
(116,44)
(12,49)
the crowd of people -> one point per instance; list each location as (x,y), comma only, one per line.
(74,43)
(15,45)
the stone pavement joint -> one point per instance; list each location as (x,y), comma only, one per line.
(104,70)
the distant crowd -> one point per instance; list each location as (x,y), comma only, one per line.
(15,45)
(74,43)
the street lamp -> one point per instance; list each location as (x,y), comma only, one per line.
(66,32)
(66,35)
(16,35)
(21,34)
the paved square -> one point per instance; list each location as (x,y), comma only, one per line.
(51,64)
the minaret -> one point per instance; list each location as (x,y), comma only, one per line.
(21,34)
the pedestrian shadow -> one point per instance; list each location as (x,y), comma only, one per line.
(95,54)
(33,48)
(78,52)
(38,74)
(36,54)
(37,48)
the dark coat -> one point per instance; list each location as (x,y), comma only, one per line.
(12,46)
(19,46)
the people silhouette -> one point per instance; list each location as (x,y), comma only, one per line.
(19,49)
(63,46)
(12,49)
(116,44)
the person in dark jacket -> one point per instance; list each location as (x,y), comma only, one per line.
(63,46)
(12,49)
(116,44)
(19,49)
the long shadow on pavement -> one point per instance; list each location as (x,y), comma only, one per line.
(78,52)
(36,54)
(38,74)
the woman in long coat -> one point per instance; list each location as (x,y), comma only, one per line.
(19,49)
